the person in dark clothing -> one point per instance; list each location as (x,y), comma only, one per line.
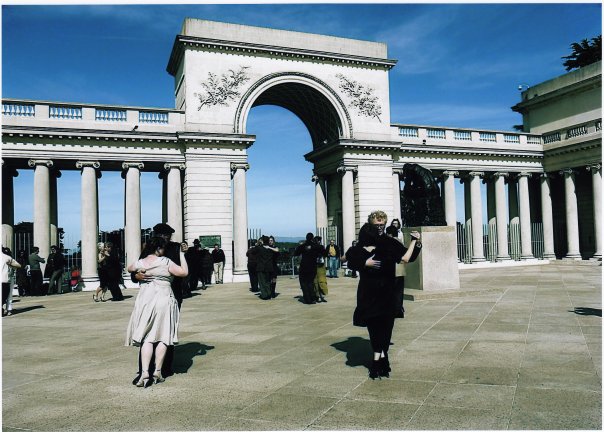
(171,251)
(193,257)
(218,259)
(113,272)
(252,257)
(275,272)
(264,267)
(309,250)
(35,273)
(375,257)
(399,280)
(207,266)
(22,279)
(55,265)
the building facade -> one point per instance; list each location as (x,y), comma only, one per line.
(339,88)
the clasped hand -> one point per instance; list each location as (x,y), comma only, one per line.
(371,263)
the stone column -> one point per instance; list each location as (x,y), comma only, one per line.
(89,223)
(491,208)
(396,194)
(476,211)
(596,180)
(320,202)
(501,214)
(525,216)
(54,209)
(450,199)
(173,197)
(572,215)
(238,171)
(41,205)
(513,200)
(8,206)
(132,228)
(548,219)
(348,212)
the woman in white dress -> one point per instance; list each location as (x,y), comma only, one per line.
(154,321)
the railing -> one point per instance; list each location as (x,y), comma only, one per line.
(40,110)
(436,133)
(109,115)
(420,134)
(553,137)
(598,125)
(576,131)
(462,135)
(490,245)
(65,112)
(18,109)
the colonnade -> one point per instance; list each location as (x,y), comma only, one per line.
(45,208)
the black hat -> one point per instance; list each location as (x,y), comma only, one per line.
(162,228)
(196,241)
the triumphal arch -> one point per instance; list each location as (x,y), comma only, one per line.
(338,87)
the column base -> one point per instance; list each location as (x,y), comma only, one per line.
(572,257)
(527,257)
(549,256)
(478,259)
(596,258)
(504,258)
(91,283)
(241,277)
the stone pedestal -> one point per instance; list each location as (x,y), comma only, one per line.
(436,267)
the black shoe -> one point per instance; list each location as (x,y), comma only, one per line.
(384,367)
(323,300)
(374,369)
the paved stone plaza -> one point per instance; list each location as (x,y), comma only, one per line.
(525,355)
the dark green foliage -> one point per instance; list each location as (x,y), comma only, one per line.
(584,53)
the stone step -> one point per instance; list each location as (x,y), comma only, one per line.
(419,295)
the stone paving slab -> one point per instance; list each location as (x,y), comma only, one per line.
(522,351)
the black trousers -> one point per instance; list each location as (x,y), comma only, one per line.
(380,332)
(307,284)
(399,291)
(114,287)
(36,282)
(5,292)
(253,277)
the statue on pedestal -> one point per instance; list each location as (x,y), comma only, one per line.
(421,203)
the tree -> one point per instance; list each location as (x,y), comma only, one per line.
(584,53)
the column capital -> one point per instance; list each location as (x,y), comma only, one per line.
(94,164)
(524,174)
(545,175)
(169,166)
(34,162)
(343,168)
(476,173)
(450,173)
(315,178)
(9,170)
(398,171)
(565,171)
(500,174)
(593,167)
(239,165)
(126,165)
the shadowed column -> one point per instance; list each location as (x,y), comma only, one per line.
(450,199)
(89,222)
(173,199)
(525,216)
(596,180)
(8,206)
(501,213)
(476,211)
(572,215)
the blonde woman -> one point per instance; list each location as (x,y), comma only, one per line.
(101,260)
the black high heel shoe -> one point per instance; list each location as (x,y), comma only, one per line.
(144,380)
(374,369)
(384,367)
(157,377)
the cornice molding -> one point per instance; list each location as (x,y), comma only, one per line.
(182,42)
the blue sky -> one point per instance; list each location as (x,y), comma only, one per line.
(459,65)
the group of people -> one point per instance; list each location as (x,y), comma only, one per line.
(202,263)
(110,273)
(262,267)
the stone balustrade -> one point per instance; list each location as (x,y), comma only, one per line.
(573,132)
(86,113)
(424,134)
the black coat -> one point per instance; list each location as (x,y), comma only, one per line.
(376,290)
(308,265)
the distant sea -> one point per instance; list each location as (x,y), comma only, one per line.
(288,239)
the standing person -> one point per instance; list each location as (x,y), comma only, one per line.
(154,321)
(102,272)
(113,272)
(207,266)
(35,273)
(343,259)
(275,258)
(309,250)
(252,260)
(375,257)
(218,259)
(333,256)
(320,283)
(54,270)
(8,277)
(399,273)
(22,279)
(193,257)
(264,267)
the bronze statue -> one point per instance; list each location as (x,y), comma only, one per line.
(421,203)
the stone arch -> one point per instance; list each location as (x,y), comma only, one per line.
(312,100)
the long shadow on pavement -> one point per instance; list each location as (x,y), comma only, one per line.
(184,354)
(587,311)
(358,351)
